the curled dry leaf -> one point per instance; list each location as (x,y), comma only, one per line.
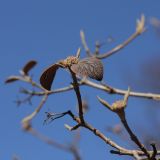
(11,79)
(89,67)
(48,75)
(28,66)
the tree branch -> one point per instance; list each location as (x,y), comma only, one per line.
(78,94)
(139,30)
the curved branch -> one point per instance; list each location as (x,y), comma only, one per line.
(139,30)
(78,94)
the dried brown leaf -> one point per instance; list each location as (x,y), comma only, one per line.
(28,66)
(48,75)
(11,79)
(89,67)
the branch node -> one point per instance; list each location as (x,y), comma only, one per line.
(118,106)
(106,104)
(26,125)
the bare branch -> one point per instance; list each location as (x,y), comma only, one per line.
(82,35)
(78,94)
(139,30)
(119,108)
(134,137)
(78,52)
(153,157)
(103,87)
(47,140)
(113,90)
(106,104)
(95,131)
(68,148)
(26,121)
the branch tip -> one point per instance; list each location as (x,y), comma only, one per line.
(68,127)
(78,52)
(126,96)
(106,104)
(140,25)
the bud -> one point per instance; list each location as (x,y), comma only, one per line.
(69,61)
(118,105)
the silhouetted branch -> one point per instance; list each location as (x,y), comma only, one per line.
(78,94)
(153,157)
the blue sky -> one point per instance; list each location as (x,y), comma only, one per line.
(48,31)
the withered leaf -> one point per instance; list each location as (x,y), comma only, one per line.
(89,67)
(28,66)
(48,75)
(11,79)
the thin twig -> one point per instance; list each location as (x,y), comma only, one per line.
(95,131)
(102,87)
(26,121)
(136,156)
(118,107)
(133,136)
(153,157)
(68,148)
(47,140)
(75,152)
(28,79)
(119,150)
(119,47)
(113,90)
(78,94)
(82,35)
(139,30)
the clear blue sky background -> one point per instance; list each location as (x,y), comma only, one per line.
(48,31)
